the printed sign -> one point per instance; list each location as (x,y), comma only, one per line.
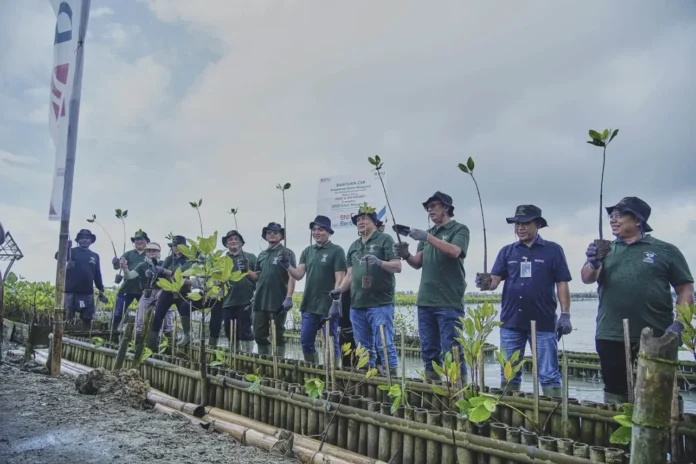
(340,197)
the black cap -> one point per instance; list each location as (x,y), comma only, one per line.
(635,205)
(178,240)
(323,222)
(527,213)
(272,227)
(86,232)
(442,198)
(232,233)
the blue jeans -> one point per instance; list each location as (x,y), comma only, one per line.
(366,332)
(547,354)
(308,333)
(437,333)
(123,301)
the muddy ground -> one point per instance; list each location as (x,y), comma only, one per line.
(46,420)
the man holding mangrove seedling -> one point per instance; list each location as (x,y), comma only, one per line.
(237,301)
(441,252)
(532,269)
(633,282)
(372,264)
(82,275)
(324,264)
(274,289)
(130,288)
(165,300)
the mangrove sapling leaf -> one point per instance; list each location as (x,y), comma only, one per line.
(147,352)
(219,358)
(602,140)
(468,168)
(197,206)
(314,388)
(479,414)
(97,341)
(193,296)
(377,163)
(370,373)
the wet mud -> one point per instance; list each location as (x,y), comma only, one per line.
(47,420)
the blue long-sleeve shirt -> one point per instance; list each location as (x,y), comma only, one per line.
(86,274)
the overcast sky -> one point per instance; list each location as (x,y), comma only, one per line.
(222,100)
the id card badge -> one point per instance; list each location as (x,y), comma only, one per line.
(525,269)
(82,304)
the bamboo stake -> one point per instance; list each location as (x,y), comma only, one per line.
(675,439)
(385,354)
(123,347)
(332,362)
(654,386)
(535,374)
(564,406)
(274,350)
(629,362)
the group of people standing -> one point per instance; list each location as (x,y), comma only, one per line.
(634,279)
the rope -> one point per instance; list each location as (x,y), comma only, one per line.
(658,360)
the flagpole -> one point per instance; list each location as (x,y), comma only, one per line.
(63,237)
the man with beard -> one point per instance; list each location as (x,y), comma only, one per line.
(372,264)
(324,264)
(441,253)
(634,282)
(83,274)
(235,305)
(274,289)
(532,269)
(130,288)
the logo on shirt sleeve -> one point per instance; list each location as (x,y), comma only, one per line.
(92,260)
(649,257)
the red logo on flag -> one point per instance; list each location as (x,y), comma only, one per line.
(59,79)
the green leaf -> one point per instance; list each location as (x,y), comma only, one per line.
(596,142)
(463,168)
(594,135)
(362,362)
(622,436)
(371,160)
(490,404)
(193,204)
(627,409)
(605,134)
(118,212)
(614,134)
(515,356)
(438,391)
(345,348)
(395,405)
(194,296)
(166,285)
(11,278)
(254,386)
(507,371)
(383,387)
(479,414)
(371,373)
(147,352)
(470,164)
(286,186)
(125,214)
(624,420)
(251,377)
(438,369)
(200,202)
(97,341)
(477,400)
(463,405)
(186,251)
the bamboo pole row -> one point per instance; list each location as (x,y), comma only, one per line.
(592,425)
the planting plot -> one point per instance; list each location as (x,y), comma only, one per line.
(46,420)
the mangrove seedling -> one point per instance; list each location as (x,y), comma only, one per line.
(122,215)
(622,435)
(602,140)
(197,206)
(484,277)
(234,212)
(93,220)
(378,164)
(685,315)
(282,189)
(210,271)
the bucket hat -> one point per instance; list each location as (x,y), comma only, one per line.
(140,234)
(272,227)
(177,240)
(527,213)
(323,222)
(442,198)
(635,205)
(232,233)
(86,232)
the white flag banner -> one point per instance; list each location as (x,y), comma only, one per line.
(71,27)
(339,197)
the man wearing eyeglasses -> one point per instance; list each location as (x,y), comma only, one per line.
(634,282)
(533,269)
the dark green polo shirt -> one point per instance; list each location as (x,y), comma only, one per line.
(381,293)
(443,281)
(133,259)
(272,286)
(634,283)
(321,263)
(240,293)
